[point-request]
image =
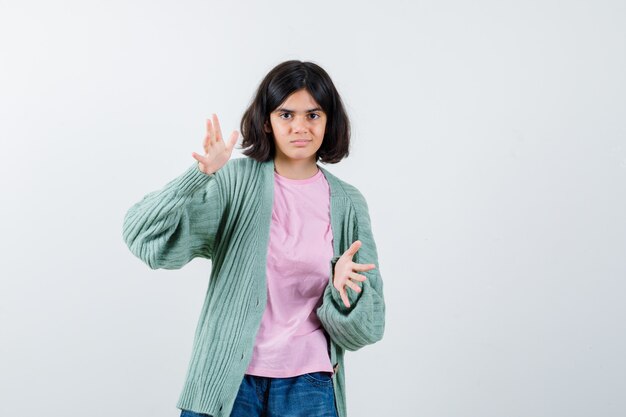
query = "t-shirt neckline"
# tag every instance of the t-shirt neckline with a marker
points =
(300, 181)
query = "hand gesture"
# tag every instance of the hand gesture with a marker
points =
(345, 272)
(216, 152)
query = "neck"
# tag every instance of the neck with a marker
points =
(295, 169)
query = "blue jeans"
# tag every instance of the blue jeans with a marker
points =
(307, 395)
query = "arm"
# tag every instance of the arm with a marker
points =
(171, 226)
(362, 323)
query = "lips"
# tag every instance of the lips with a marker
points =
(301, 141)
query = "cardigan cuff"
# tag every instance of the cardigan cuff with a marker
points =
(193, 179)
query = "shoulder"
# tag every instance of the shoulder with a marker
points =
(348, 190)
(238, 164)
(237, 168)
(356, 196)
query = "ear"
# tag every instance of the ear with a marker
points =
(267, 127)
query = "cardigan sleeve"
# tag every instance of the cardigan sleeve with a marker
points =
(171, 226)
(362, 323)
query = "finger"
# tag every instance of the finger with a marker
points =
(233, 139)
(207, 137)
(354, 247)
(358, 277)
(217, 131)
(353, 285)
(363, 267)
(344, 297)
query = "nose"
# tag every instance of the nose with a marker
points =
(300, 124)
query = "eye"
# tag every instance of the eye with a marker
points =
(284, 115)
(314, 116)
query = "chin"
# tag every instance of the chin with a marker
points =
(301, 157)
(299, 153)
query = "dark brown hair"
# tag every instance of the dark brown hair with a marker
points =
(282, 81)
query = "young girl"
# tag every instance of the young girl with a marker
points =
(294, 280)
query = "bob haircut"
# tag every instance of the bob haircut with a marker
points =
(282, 81)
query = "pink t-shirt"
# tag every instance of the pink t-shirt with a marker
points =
(291, 340)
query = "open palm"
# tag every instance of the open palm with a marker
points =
(216, 152)
(346, 272)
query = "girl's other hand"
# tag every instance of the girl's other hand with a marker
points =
(345, 272)
(216, 152)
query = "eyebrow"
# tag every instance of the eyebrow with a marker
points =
(293, 111)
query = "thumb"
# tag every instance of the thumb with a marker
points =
(198, 157)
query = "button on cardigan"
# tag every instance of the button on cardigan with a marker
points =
(225, 217)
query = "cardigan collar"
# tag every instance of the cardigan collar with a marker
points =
(338, 207)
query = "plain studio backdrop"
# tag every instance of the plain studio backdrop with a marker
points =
(489, 140)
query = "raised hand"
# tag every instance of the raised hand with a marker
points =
(216, 152)
(345, 272)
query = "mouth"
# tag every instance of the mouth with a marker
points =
(301, 141)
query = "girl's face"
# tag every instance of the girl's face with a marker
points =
(298, 125)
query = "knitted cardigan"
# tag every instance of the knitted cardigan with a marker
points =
(225, 217)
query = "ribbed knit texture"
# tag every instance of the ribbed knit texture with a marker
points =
(226, 217)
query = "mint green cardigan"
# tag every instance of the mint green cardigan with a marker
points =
(225, 217)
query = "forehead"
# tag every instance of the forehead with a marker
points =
(300, 101)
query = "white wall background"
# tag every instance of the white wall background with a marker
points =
(489, 140)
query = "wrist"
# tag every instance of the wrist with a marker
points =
(205, 170)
